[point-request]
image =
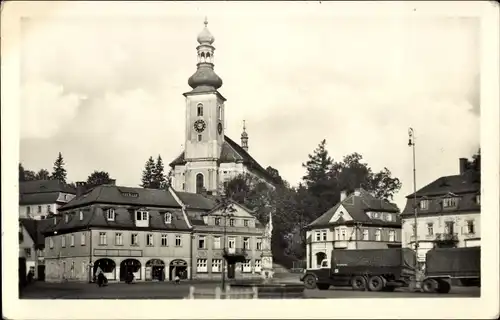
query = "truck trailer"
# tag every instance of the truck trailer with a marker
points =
(366, 269)
(443, 266)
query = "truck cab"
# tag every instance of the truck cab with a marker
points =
(317, 277)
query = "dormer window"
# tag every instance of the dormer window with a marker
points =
(424, 204)
(110, 214)
(450, 202)
(217, 221)
(142, 218)
(66, 218)
(81, 215)
(55, 220)
(168, 217)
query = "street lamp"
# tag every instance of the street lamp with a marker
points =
(411, 143)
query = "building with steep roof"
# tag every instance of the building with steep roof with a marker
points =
(210, 157)
(156, 234)
(358, 221)
(448, 212)
(32, 245)
(41, 198)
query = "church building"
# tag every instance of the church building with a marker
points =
(210, 157)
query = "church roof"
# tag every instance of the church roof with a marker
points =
(231, 152)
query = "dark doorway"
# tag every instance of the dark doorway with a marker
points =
(107, 266)
(22, 272)
(41, 273)
(157, 269)
(231, 267)
(130, 265)
(178, 268)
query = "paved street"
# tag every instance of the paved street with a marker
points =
(158, 290)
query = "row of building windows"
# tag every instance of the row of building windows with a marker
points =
(231, 242)
(118, 240)
(202, 266)
(449, 227)
(450, 202)
(142, 216)
(344, 234)
(39, 209)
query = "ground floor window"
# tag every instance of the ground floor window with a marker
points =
(258, 266)
(216, 265)
(201, 265)
(247, 266)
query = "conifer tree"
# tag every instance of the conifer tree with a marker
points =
(59, 172)
(148, 173)
(159, 174)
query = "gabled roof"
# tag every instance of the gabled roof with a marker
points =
(35, 229)
(44, 186)
(232, 152)
(357, 206)
(196, 201)
(111, 194)
(468, 182)
(95, 217)
(38, 198)
(42, 191)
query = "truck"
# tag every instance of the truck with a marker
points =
(444, 266)
(364, 269)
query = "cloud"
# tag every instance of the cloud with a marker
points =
(45, 107)
(359, 83)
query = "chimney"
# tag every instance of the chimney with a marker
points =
(343, 195)
(463, 165)
(80, 188)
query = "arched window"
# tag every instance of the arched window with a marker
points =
(200, 110)
(220, 113)
(199, 182)
(203, 57)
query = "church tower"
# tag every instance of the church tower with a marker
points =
(244, 138)
(204, 120)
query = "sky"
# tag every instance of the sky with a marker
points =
(106, 91)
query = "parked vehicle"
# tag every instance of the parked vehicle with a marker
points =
(372, 269)
(444, 265)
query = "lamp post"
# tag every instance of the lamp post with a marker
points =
(411, 143)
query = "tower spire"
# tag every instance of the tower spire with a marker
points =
(205, 79)
(244, 137)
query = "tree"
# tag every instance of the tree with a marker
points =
(159, 179)
(43, 174)
(98, 178)
(59, 172)
(274, 173)
(148, 173)
(318, 166)
(168, 178)
(475, 163)
(26, 175)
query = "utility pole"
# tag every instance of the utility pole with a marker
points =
(411, 143)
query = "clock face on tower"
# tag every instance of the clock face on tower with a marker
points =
(219, 128)
(199, 125)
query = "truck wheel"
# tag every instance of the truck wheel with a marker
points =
(430, 285)
(310, 282)
(375, 283)
(323, 286)
(358, 283)
(443, 286)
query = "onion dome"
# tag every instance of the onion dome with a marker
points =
(205, 76)
(205, 37)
